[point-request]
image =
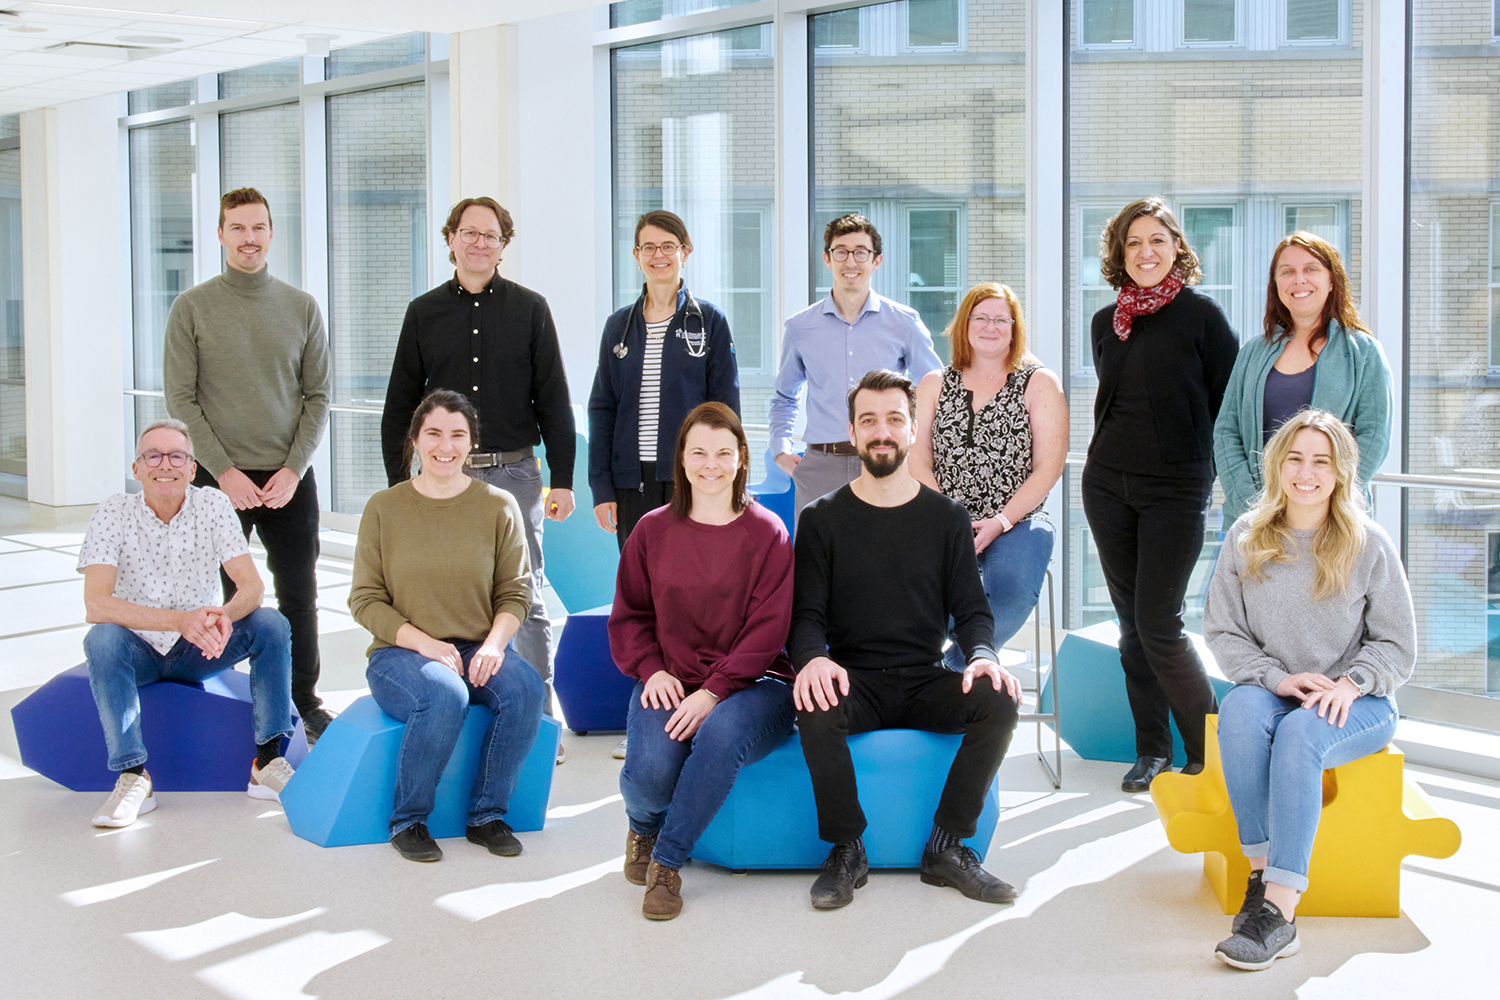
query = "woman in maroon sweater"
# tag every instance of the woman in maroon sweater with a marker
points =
(703, 602)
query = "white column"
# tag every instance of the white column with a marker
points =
(793, 199)
(483, 116)
(75, 313)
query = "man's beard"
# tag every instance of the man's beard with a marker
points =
(881, 466)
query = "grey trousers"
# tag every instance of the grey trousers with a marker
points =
(819, 473)
(523, 481)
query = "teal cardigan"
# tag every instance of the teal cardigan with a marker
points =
(1352, 381)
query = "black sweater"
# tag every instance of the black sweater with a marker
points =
(1186, 352)
(875, 586)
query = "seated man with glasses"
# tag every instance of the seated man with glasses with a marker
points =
(828, 347)
(150, 565)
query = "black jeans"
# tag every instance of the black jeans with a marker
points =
(632, 504)
(925, 697)
(290, 537)
(1149, 533)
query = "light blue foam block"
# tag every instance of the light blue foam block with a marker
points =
(1096, 719)
(344, 791)
(578, 556)
(771, 821)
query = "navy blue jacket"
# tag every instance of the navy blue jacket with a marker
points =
(686, 381)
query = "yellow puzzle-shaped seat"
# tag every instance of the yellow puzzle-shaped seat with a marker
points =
(1373, 816)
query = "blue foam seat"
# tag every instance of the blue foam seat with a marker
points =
(199, 737)
(344, 791)
(771, 821)
(592, 691)
(579, 557)
(1091, 683)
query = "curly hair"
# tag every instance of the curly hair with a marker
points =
(1112, 242)
(507, 227)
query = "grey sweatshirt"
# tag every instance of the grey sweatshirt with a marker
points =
(245, 366)
(1262, 631)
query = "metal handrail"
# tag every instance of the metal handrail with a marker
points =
(1399, 479)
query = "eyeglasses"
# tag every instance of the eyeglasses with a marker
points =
(860, 254)
(650, 249)
(179, 459)
(995, 321)
(472, 236)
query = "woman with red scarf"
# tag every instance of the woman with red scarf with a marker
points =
(1163, 354)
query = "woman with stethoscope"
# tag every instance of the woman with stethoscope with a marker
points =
(659, 358)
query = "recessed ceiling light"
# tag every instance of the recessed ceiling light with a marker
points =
(149, 39)
(29, 29)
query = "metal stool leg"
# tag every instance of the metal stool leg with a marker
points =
(1054, 772)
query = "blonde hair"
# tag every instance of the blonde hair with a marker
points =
(1337, 542)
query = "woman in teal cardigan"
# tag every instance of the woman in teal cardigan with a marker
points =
(1316, 352)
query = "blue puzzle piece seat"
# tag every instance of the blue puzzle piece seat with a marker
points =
(1098, 724)
(771, 821)
(199, 737)
(593, 693)
(344, 791)
(579, 557)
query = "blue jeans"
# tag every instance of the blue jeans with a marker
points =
(433, 701)
(1274, 753)
(674, 788)
(1012, 568)
(120, 661)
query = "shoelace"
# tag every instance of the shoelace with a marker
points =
(842, 857)
(662, 875)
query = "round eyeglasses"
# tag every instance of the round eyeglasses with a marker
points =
(179, 459)
(472, 236)
(651, 249)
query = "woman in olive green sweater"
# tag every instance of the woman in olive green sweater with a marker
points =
(442, 581)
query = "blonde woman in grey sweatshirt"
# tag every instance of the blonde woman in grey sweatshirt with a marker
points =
(1309, 614)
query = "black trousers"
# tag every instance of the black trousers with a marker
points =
(925, 697)
(290, 537)
(633, 504)
(1149, 533)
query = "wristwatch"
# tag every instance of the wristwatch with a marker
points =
(1359, 679)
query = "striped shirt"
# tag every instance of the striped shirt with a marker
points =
(656, 336)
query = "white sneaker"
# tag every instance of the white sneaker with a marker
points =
(619, 753)
(267, 782)
(132, 796)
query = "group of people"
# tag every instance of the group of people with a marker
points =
(921, 537)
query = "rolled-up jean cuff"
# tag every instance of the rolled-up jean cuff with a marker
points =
(1283, 877)
(404, 825)
(1255, 850)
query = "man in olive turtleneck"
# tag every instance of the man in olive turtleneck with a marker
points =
(245, 366)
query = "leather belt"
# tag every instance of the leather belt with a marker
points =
(833, 448)
(490, 459)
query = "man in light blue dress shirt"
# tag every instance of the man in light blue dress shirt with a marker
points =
(828, 347)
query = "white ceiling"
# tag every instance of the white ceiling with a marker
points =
(124, 44)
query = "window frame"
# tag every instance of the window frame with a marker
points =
(1135, 42)
(1179, 24)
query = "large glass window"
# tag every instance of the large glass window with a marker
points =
(629, 12)
(162, 96)
(1452, 384)
(161, 246)
(259, 79)
(929, 145)
(1212, 135)
(384, 53)
(263, 149)
(377, 215)
(12, 333)
(694, 119)
(1313, 20)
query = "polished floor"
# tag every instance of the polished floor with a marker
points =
(212, 896)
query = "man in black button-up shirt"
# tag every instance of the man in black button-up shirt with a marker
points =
(493, 341)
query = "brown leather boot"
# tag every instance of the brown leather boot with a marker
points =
(637, 856)
(663, 893)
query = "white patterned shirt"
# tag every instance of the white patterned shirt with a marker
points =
(173, 565)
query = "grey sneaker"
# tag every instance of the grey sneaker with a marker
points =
(619, 752)
(1255, 894)
(267, 782)
(131, 797)
(1265, 937)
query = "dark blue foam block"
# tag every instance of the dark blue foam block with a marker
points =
(1096, 719)
(199, 737)
(771, 821)
(579, 556)
(782, 503)
(344, 791)
(593, 693)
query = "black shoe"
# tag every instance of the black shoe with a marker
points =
(416, 844)
(314, 721)
(959, 867)
(1138, 778)
(844, 870)
(1192, 767)
(496, 836)
(1255, 894)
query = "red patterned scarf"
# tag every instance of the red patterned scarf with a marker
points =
(1136, 301)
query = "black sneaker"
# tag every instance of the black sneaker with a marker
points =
(1255, 894)
(844, 870)
(959, 867)
(496, 836)
(1265, 937)
(416, 844)
(314, 721)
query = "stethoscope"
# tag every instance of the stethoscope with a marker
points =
(697, 344)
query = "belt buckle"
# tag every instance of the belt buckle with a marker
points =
(481, 460)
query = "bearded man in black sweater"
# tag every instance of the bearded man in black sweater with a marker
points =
(882, 564)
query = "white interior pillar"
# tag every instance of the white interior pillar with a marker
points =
(484, 120)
